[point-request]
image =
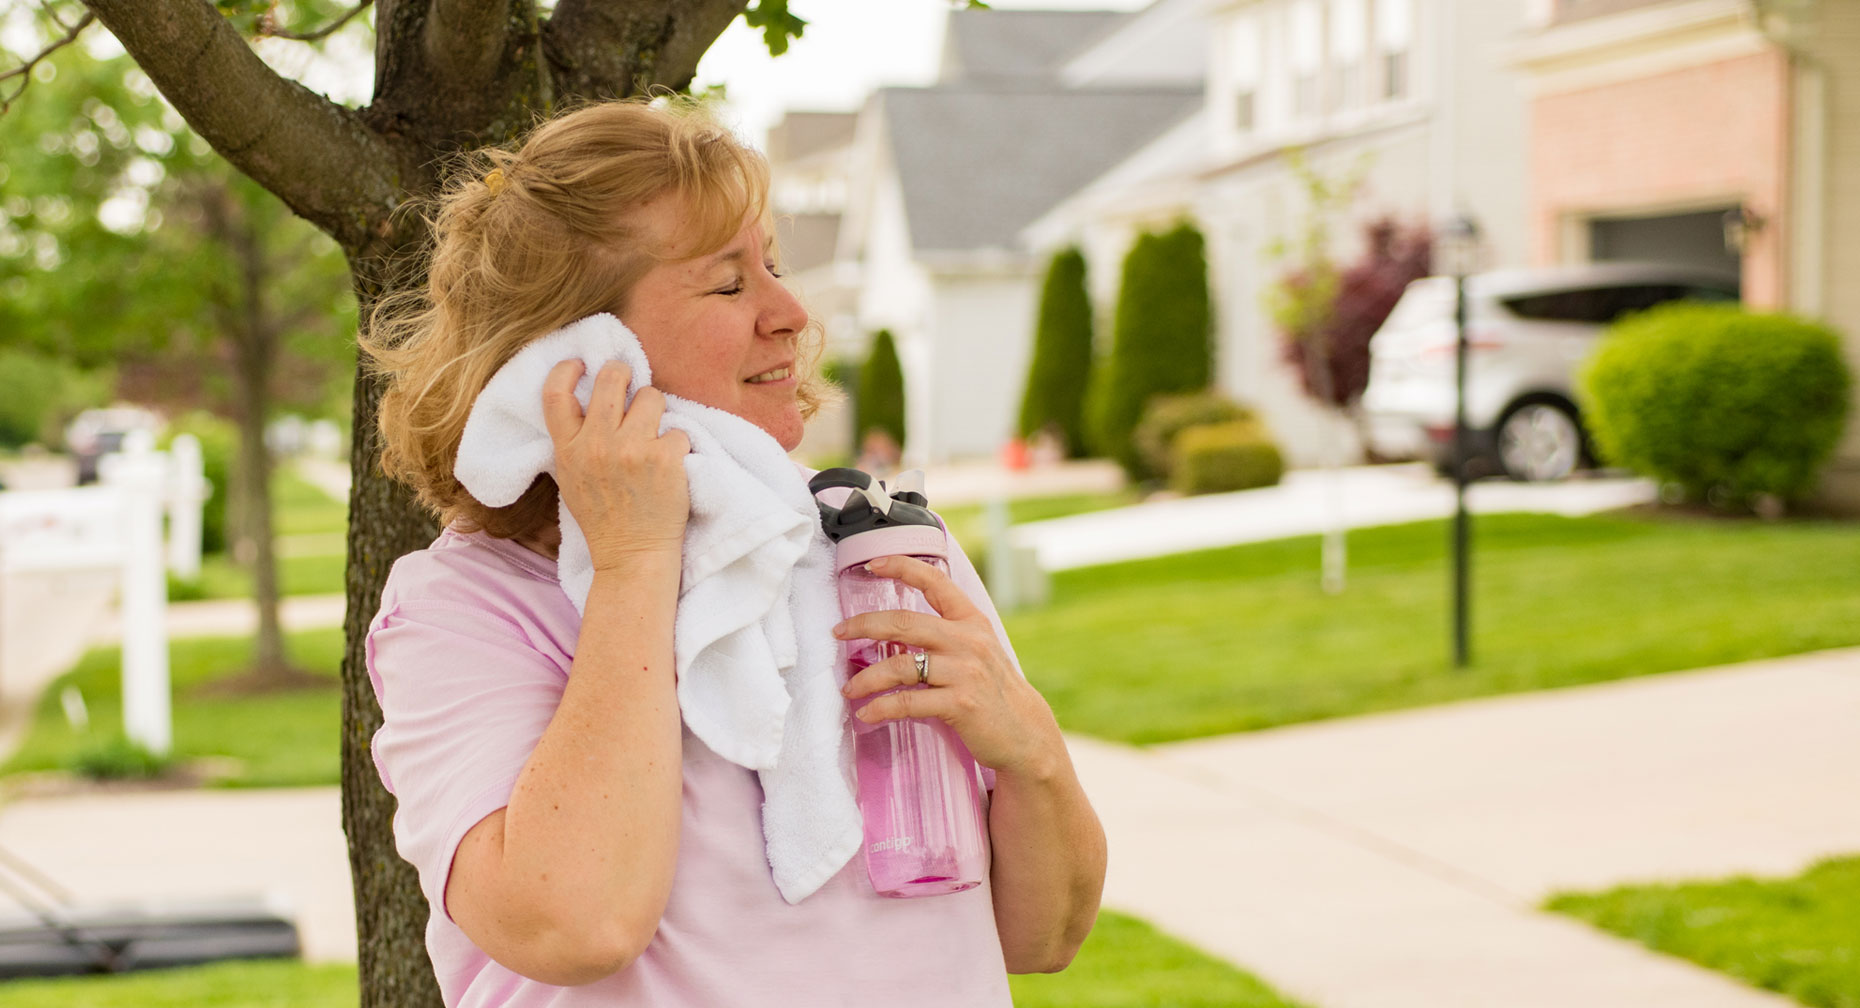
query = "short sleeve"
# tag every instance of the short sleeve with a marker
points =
(962, 571)
(464, 701)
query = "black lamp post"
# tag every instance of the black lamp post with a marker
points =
(1458, 248)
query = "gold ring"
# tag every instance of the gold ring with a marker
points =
(923, 667)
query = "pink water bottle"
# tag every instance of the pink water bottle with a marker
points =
(919, 791)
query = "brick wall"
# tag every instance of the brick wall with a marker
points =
(1683, 139)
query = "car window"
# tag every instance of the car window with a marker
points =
(1592, 305)
(1603, 305)
(1640, 297)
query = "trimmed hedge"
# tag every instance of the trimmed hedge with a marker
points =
(879, 403)
(1061, 368)
(1161, 340)
(1216, 458)
(1730, 405)
(1168, 416)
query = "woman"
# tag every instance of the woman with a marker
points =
(576, 845)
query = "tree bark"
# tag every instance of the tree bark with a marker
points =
(602, 49)
(390, 912)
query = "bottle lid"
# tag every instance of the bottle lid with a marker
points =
(867, 508)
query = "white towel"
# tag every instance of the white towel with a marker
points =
(756, 660)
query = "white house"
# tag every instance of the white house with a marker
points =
(944, 180)
(1415, 95)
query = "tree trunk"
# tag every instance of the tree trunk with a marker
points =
(269, 661)
(251, 331)
(257, 350)
(384, 523)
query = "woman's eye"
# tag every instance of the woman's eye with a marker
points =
(732, 290)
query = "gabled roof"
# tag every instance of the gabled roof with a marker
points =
(985, 45)
(976, 166)
(806, 240)
(800, 134)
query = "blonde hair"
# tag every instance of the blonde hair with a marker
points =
(526, 242)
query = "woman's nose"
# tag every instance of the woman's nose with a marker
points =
(782, 313)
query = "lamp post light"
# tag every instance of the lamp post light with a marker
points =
(1458, 251)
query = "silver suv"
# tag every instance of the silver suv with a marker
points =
(1528, 331)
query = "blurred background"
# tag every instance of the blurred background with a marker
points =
(1205, 319)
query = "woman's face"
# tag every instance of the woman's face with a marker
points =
(720, 329)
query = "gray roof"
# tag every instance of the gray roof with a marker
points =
(799, 134)
(976, 166)
(806, 240)
(993, 45)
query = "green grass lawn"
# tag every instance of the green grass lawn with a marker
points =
(316, 573)
(969, 522)
(309, 525)
(281, 739)
(1124, 964)
(1241, 638)
(1797, 936)
(302, 508)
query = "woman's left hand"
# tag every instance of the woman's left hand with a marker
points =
(972, 685)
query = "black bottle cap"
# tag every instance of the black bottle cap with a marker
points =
(858, 514)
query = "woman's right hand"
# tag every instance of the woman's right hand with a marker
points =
(622, 480)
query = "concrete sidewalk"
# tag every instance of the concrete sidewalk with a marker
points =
(1396, 861)
(1307, 502)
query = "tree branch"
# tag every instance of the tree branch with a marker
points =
(316, 155)
(24, 70)
(612, 48)
(464, 41)
(271, 30)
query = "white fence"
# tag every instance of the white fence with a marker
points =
(118, 524)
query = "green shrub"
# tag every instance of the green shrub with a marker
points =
(1167, 416)
(841, 371)
(879, 404)
(1161, 337)
(219, 448)
(1729, 404)
(185, 590)
(1061, 366)
(1216, 458)
(117, 758)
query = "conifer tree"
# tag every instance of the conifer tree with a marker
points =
(1161, 337)
(1061, 366)
(880, 402)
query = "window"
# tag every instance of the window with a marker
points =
(1307, 57)
(1394, 40)
(1245, 64)
(1348, 42)
(1602, 305)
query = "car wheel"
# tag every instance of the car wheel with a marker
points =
(1538, 442)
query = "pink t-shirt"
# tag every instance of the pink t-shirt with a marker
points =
(469, 656)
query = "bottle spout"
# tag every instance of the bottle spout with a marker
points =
(909, 487)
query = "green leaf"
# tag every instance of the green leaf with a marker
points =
(779, 25)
